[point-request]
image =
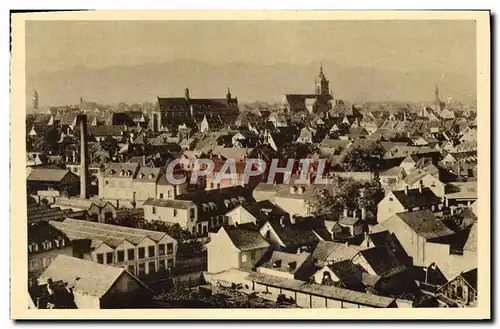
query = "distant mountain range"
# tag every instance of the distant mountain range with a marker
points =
(248, 81)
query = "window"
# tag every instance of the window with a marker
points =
(253, 255)
(142, 269)
(191, 213)
(211, 185)
(32, 264)
(100, 258)
(154, 210)
(106, 182)
(170, 248)
(131, 254)
(243, 258)
(161, 249)
(109, 258)
(161, 195)
(120, 255)
(175, 212)
(142, 252)
(169, 194)
(47, 245)
(161, 266)
(268, 234)
(151, 267)
(151, 251)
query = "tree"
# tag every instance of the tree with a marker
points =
(351, 194)
(363, 159)
(297, 150)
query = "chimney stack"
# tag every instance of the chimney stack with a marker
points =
(345, 212)
(363, 213)
(355, 213)
(84, 176)
(420, 187)
(406, 189)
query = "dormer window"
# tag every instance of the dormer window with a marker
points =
(122, 172)
(293, 189)
(129, 173)
(277, 263)
(141, 175)
(151, 176)
(47, 245)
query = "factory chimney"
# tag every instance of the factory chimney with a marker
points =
(84, 154)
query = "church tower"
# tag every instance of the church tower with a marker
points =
(324, 88)
(35, 100)
(439, 104)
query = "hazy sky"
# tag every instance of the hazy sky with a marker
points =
(408, 46)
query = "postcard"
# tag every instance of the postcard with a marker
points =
(250, 165)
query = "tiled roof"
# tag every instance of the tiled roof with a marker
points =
(324, 291)
(49, 175)
(292, 236)
(286, 262)
(416, 199)
(334, 251)
(245, 239)
(471, 277)
(383, 261)
(113, 235)
(425, 224)
(471, 243)
(178, 204)
(349, 274)
(84, 276)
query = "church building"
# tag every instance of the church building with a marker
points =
(173, 111)
(318, 102)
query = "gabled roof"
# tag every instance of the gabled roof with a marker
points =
(334, 251)
(349, 274)
(292, 236)
(471, 278)
(286, 262)
(244, 239)
(471, 243)
(425, 224)
(49, 175)
(414, 198)
(84, 276)
(112, 235)
(383, 261)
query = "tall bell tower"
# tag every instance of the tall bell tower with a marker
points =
(324, 88)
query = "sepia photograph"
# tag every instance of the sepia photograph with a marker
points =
(237, 163)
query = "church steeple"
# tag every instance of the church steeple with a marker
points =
(324, 88)
(439, 104)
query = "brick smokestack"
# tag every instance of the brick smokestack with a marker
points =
(84, 155)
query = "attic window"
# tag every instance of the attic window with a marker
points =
(292, 265)
(122, 172)
(151, 176)
(391, 199)
(141, 175)
(277, 263)
(129, 173)
(111, 172)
